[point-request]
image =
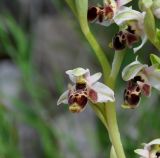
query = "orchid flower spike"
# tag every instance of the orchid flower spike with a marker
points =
(104, 15)
(85, 88)
(140, 79)
(131, 24)
(151, 150)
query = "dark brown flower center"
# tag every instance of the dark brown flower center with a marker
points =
(80, 86)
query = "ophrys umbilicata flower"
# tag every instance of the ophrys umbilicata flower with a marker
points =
(131, 24)
(151, 150)
(86, 88)
(104, 14)
(140, 79)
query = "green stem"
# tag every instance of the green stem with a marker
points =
(99, 114)
(111, 110)
(113, 130)
(116, 64)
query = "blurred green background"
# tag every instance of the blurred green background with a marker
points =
(39, 41)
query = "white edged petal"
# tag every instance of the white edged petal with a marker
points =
(63, 98)
(153, 76)
(94, 78)
(154, 142)
(127, 14)
(143, 41)
(122, 2)
(131, 70)
(73, 74)
(142, 152)
(104, 93)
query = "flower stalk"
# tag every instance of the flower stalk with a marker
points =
(110, 110)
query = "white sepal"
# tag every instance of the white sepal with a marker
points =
(63, 98)
(78, 72)
(131, 70)
(154, 142)
(142, 152)
(104, 93)
(153, 76)
(127, 14)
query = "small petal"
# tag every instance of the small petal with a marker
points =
(131, 70)
(63, 98)
(93, 95)
(153, 77)
(94, 78)
(145, 88)
(104, 93)
(142, 152)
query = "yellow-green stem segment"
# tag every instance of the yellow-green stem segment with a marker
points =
(110, 108)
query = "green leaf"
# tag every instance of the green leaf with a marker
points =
(155, 60)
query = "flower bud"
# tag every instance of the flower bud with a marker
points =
(156, 8)
(149, 25)
(145, 4)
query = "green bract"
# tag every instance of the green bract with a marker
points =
(155, 60)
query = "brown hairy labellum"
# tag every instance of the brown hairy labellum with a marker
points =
(132, 93)
(100, 13)
(77, 100)
(124, 38)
